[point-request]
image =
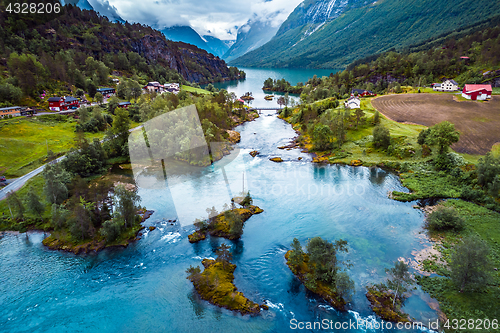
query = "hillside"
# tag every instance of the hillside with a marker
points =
(324, 34)
(416, 67)
(80, 48)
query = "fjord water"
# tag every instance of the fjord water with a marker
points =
(255, 78)
(143, 288)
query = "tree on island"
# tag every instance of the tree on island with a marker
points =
(323, 255)
(296, 257)
(235, 222)
(247, 201)
(321, 265)
(470, 265)
(223, 255)
(400, 280)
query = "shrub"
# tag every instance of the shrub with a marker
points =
(444, 218)
(471, 194)
(381, 137)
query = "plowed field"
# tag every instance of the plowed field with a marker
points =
(478, 122)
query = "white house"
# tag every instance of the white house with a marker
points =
(448, 85)
(172, 88)
(154, 86)
(353, 103)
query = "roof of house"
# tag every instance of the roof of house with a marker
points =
(453, 82)
(54, 99)
(154, 83)
(70, 99)
(360, 91)
(124, 103)
(105, 89)
(10, 108)
(437, 84)
(476, 87)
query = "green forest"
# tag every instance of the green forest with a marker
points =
(371, 28)
(388, 72)
(46, 54)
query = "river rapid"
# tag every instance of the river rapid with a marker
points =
(143, 288)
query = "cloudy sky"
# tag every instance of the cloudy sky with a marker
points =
(217, 18)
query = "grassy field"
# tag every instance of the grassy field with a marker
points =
(358, 141)
(195, 90)
(24, 142)
(478, 122)
(454, 304)
(496, 91)
(36, 183)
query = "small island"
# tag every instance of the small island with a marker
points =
(319, 270)
(228, 224)
(387, 298)
(215, 284)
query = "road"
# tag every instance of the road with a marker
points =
(19, 182)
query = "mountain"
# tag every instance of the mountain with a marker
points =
(188, 35)
(101, 6)
(184, 34)
(250, 36)
(58, 60)
(333, 33)
(216, 46)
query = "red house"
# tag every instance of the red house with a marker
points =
(63, 103)
(479, 92)
(362, 93)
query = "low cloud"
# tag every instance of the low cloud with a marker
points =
(220, 19)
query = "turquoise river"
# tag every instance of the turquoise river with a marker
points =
(143, 288)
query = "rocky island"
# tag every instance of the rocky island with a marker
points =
(228, 224)
(215, 284)
(318, 270)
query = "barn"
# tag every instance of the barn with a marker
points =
(362, 93)
(479, 92)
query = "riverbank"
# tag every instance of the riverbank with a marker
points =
(415, 166)
(477, 305)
